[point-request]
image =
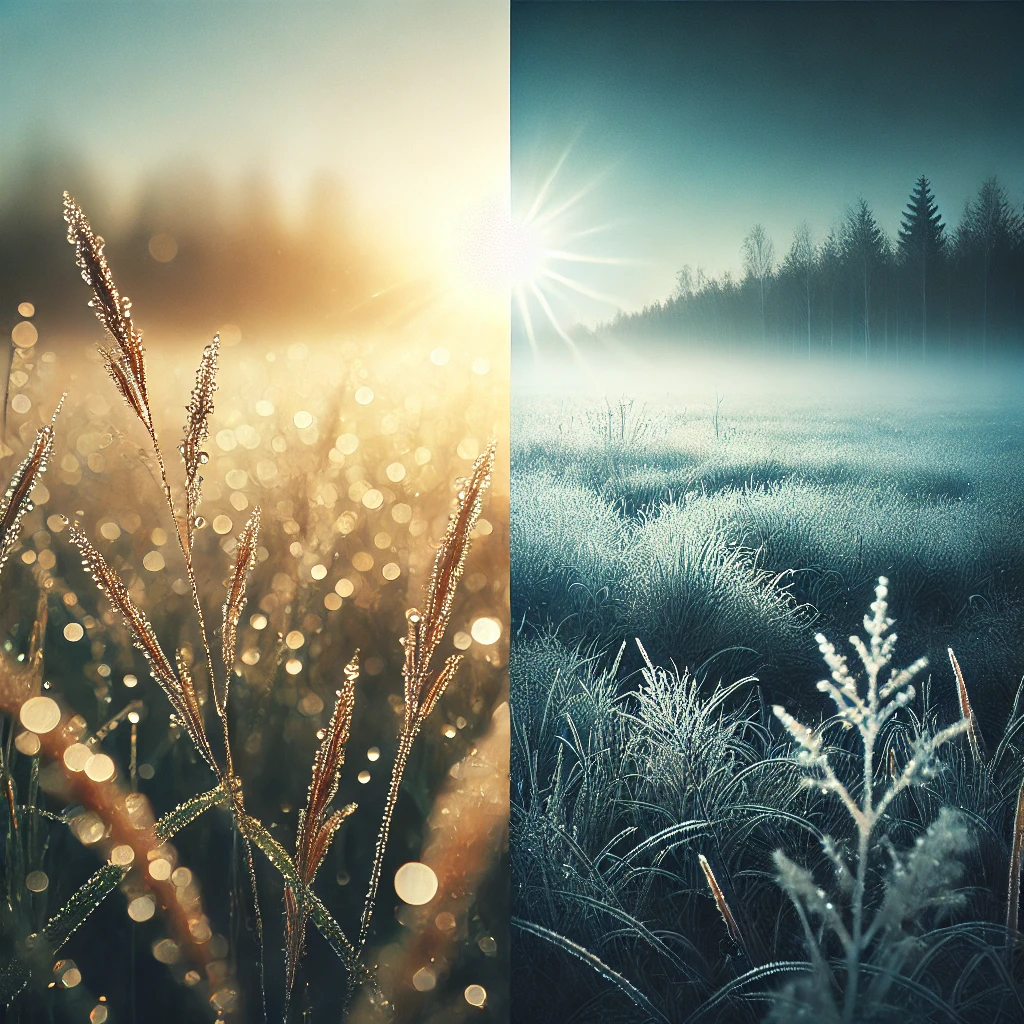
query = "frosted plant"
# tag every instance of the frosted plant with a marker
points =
(866, 702)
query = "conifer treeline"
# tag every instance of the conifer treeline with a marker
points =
(931, 291)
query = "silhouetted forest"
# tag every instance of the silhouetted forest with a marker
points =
(193, 253)
(934, 289)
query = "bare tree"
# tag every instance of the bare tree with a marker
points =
(800, 265)
(759, 263)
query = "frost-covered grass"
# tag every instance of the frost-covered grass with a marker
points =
(772, 530)
(725, 553)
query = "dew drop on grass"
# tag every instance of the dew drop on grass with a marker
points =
(142, 908)
(76, 757)
(37, 881)
(363, 777)
(166, 951)
(486, 631)
(99, 768)
(424, 980)
(122, 855)
(24, 334)
(347, 443)
(476, 995)
(27, 743)
(74, 632)
(109, 530)
(154, 560)
(160, 869)
(415, 883)
(88, 828)
(362, 561)
(40, 714)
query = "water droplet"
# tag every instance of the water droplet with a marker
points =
(415, 883)
(37, 881)
(476, 995)
(142, 908)
(486, 631)
(424, 980)
(40, 714)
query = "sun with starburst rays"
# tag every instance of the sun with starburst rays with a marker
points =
(541, 255)
(549, 234)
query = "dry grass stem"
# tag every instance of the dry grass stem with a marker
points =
(177, 685)
(1013, 888)
(317, 822)
(426, 630)
(235, 600)
(16, 500)
(197, 429)
(721, 903)
(127, 363)
(966, 711)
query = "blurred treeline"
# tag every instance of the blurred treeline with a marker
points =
(235, 257)
(935, 289)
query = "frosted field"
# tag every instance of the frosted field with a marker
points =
(724, 548)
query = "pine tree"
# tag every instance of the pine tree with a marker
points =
(986, 236)
(922, 241)
(865, 248)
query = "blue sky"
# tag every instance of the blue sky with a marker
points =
(692, 121)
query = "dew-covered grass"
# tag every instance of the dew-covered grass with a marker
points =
(354, 451)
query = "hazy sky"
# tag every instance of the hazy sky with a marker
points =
(700, 119)
(406, 101)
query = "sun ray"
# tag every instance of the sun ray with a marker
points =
(576, 286)
(542, 194)
(542, 220)
(524, 310)
(540, 297)
(575, 257)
